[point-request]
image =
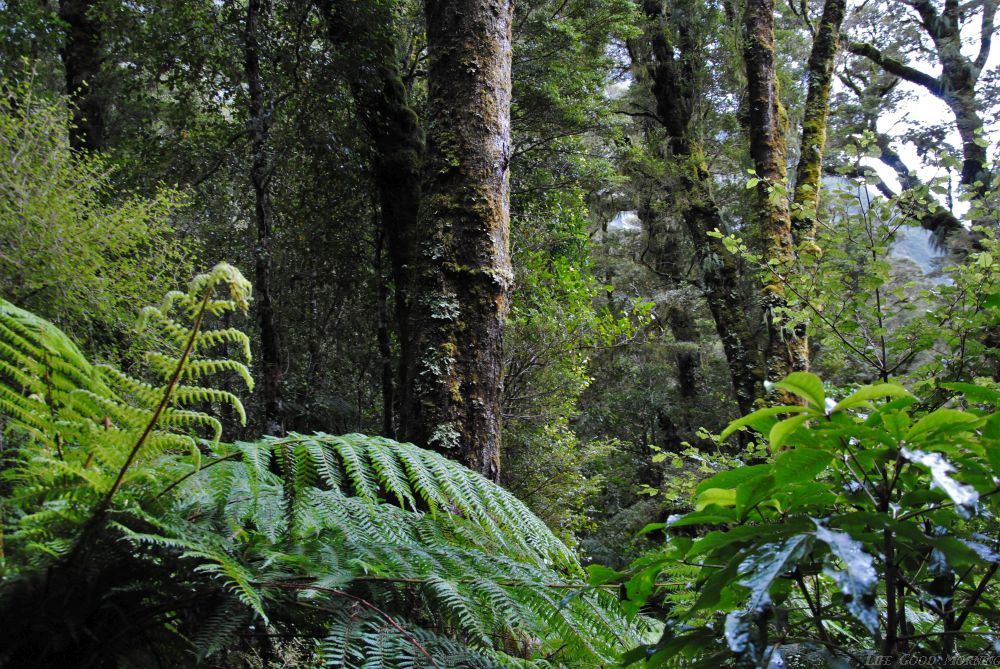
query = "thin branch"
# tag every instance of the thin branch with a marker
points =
(977, 593)
(986, 33)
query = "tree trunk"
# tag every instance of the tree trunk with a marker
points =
(809, 172)
(81, 57)
(768, 123)
(260, 121)
(384, 348)
(674, 73)
(453, 395)
(724, 286)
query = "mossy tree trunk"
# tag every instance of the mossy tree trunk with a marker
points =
(809, 171)
(787, 350)
(82, 57)
(367, 41)
(674, 72)
(453, 394)
(272, 366)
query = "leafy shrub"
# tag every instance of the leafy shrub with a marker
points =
(871, 530)
(133, 536)
(73, 249)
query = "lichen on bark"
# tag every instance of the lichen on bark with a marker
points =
(453, 400)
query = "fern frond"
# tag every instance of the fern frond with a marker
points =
(402, 557)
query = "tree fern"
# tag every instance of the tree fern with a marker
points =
(133, 536)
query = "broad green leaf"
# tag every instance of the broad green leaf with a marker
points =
(651, 527)
(766, 412)
(807, 386)
(751, 493)
(896, 422)
(745, 533)
(951, 420)
(782, 430)
(768, 562)
(732, 477)
(711, 591)
(859, 580)
(598, 574)
(720, 496)
(807, 494)
(800, 464)
(716, 516)
(863, 396)
(959, 553)
(974, 392)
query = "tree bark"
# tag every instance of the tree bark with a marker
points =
(384, 347)
(768, 123)
(673, 71)
(809, 171)
(82, 57)
(724, 286)
(260, 121)
(453, 396)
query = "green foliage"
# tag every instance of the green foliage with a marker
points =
(74, 251)
(871, 529)
(559, 321)
(130, 540)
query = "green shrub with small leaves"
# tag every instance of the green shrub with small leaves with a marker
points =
(870, 530)
(73, 247)
(134, 537)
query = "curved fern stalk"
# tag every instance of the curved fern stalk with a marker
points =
(83, 428)
(155, 418)
(240, 290)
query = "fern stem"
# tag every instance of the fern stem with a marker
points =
(105, 502)
(364, 602)
(155, 418)
(224, 458)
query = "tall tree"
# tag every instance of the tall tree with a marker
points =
(672, 55)
(787, 350)
(82, 58)
(808, 173)
(260, 176)
(956, 84)
(452, 398)
(815, 117)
